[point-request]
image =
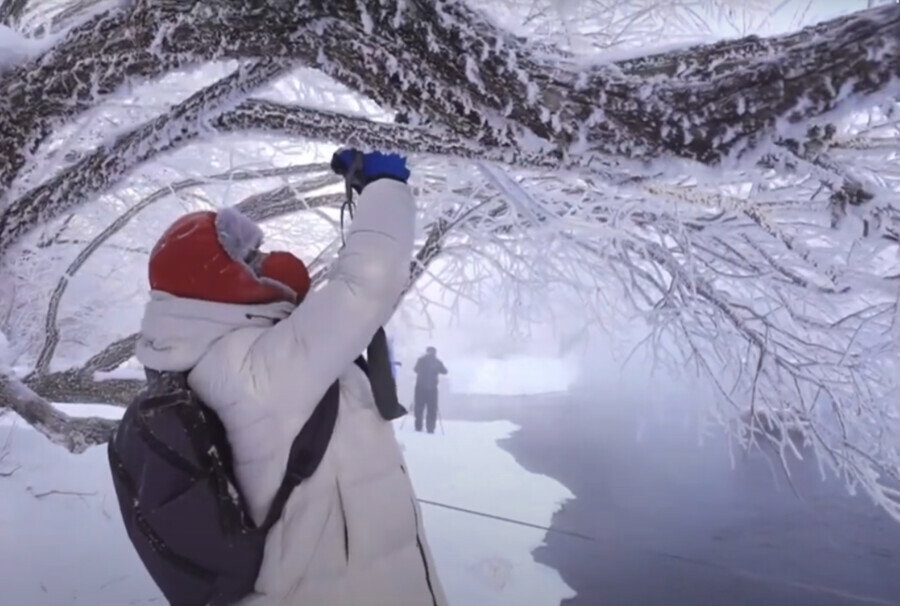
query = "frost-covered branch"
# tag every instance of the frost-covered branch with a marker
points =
(419, 63)
(99, 171)
(107, 166)
(80, 384)
(812, 367)
(72, 386)
(51, 331)
(74, 434)
(509, 93)
(430, 249)
(637, 122)
(113, 355)
(288, 199)
(274, 117)
(11, 11)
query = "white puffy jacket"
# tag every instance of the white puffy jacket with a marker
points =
(352, 534)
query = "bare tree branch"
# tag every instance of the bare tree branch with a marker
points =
(430, 250)
(741, 270)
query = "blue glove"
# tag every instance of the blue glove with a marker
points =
(360, 169)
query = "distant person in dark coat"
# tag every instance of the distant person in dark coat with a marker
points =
(427, 370)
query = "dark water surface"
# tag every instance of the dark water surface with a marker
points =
(673, 524)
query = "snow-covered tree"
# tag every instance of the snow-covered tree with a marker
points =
(739, 194)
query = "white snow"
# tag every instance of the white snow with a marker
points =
(63, 540)
(484, 562)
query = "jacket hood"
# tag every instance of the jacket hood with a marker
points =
(176, 333)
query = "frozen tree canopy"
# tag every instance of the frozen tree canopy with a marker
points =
(741, 194)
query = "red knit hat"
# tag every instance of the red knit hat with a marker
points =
(210, 256)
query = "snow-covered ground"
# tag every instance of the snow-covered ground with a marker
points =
(62, 540)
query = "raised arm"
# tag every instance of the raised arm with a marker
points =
(304, 354)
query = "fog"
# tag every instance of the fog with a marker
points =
(675, 511)
(674, 520)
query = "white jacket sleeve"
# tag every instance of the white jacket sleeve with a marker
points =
(294, 362)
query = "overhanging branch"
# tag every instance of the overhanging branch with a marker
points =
(291, 120)
(510, 99)
(103, 168)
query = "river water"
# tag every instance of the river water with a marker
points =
(672, 523)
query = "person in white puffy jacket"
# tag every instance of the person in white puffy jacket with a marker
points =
(352, 534)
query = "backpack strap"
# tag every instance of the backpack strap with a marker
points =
(310, 444)
(377, 365)
(306, 452)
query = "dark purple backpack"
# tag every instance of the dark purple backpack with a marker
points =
(183, 512)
